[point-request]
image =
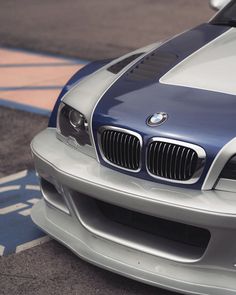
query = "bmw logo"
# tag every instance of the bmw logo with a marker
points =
(157, 119)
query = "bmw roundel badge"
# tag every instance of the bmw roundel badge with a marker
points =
(157, 119)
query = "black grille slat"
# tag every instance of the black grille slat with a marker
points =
(155, 159)
(110, 147)
(118, 149)
(121, 152)
(129, 152)
(133, 152)
(171, 161)
(177, 162)
(193, 163)
(137, 152)
(114, 149)
(121, 148)
(181, 172)
(168, 164)
(162, 150)
(186, 163)
(158, 159)
(125, 151)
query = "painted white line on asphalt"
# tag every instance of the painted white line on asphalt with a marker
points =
(12, 208)
(2, 248)
(25, 212)
(9, 188)
(13, 177)
(33, 201)
(32, 244)
(18, 193)
(32, 187)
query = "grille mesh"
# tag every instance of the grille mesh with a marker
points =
(171, 161)
(121, 149)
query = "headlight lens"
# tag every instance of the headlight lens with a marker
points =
(229, 170)
(77, 120)
(71, 123)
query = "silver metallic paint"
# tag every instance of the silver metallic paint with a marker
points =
(213, 274)
(218, 164)
(227, 185)
(149, 269)
(211, 68)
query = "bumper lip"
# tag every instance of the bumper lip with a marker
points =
(93, 221)
(41, 222)
(202, 208)
(74, 170)
(84, 250)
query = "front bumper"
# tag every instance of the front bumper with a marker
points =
(73, 172)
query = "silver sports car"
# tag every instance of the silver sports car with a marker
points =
(138, 164)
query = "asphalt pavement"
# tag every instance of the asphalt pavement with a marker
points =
(95, 29)
(17, 128)
(50, 268)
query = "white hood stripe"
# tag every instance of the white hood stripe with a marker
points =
(211, 68)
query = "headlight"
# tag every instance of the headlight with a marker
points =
(229, 170)
(72, 124)
(77, 120)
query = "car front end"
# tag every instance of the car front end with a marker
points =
(137, 171)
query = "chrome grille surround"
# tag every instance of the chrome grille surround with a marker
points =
(184, 152)
(123, 156)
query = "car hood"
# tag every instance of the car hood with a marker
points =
(197, 90)
(196, 115)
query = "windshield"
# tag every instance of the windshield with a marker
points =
(227, 16)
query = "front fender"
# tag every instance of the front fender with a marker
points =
(79, 75)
